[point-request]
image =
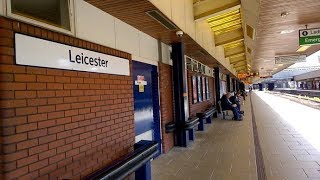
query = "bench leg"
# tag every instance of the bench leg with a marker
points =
(144, 172)
(209, 120)
(201, 125)
(191, 134)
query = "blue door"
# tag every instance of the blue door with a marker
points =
(146, 102)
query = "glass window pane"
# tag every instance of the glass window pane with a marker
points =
(52, 12)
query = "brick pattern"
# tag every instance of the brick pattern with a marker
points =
(166, 100)
(59, 123)
(199, 107)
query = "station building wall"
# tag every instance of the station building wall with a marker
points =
(166, 105)
(60, 123)
(199, 107)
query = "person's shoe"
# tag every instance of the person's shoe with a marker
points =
(240, 119)
(241, 112)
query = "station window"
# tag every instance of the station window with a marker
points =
(52, 14)
(189, 63)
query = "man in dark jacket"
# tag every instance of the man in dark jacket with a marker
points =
(236, 100)
(226, 104)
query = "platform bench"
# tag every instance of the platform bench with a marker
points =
(206, 115)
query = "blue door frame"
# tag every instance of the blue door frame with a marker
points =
(146, 100)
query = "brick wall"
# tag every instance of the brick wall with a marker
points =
(199, 107)
(60, 123)
(166, 100)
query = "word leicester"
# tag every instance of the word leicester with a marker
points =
(81, 59)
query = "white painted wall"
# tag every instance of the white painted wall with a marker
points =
(148, 47)
(190, 23)
(178, 13)
(127, 37)
(94, 25)
(1, 7)
(104, 29)
(164, 6)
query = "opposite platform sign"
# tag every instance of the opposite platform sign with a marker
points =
(309, 36)
(43, 53)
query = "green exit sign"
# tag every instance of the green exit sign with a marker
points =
(309, 36)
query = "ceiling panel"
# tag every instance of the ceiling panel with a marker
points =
(269, 40)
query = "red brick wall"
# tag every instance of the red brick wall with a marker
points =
(200, 107)
(60, 123)
(166, 104)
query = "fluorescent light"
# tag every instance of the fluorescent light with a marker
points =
(280, 64)
(287, 31)
(303, 48)
(267, 60)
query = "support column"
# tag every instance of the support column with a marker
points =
(234, 84)
(260, 87)
(217, 82)
(228, 84)
(180, 94)
(237, 85)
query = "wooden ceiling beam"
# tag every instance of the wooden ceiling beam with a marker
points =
(239, 64)
(215, 11)
(240, 67)
(233, 54)
(237, 60)
(229, 40)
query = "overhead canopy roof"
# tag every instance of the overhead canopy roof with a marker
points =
(226, 21)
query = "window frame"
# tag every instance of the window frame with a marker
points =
(43, 24)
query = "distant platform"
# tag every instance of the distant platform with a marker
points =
(302, 92)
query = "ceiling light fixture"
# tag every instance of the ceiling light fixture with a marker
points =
(267, 60)
(303, 48)
(287, 31)
(284, 14)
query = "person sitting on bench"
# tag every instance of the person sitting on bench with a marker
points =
(236, 100)
(226, 104)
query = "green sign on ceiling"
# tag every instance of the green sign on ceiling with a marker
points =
(309, 36)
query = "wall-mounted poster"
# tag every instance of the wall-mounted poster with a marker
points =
(204, 88)
(199, 89)
(223, 88)
(194, 90)
(207, 88)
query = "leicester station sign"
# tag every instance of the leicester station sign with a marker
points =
(309, 37)
(33, 51)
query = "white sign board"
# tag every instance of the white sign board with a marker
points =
(290, 59)
(43, 53)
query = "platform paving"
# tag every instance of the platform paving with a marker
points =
(288, 136)
(224, 151)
